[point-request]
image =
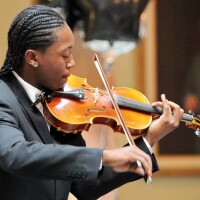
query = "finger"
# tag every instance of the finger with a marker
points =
(177, 113)
(172, 112)
(137, 170)
(147, 166)
(144, 170)
(176, 108)
(140, 171)
(157, 104)
(166, 108)
(163, 98)
(160, 103)
(145, 161)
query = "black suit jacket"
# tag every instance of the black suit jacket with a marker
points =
(33, 163)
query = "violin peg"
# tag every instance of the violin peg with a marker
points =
(191, 112)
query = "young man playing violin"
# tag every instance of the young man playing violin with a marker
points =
(37, 161)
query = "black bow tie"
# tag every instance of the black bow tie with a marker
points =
(39, 99)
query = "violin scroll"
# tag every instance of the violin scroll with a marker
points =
(194, 123)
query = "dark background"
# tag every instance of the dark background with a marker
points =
(178, 31)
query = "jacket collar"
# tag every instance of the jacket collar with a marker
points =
(34, 114)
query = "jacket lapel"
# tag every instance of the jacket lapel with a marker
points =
(34, 114)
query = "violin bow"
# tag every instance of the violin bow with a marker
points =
(116, 107)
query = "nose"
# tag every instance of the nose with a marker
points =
(71, 63)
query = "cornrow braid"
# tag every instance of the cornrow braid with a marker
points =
(31, 29)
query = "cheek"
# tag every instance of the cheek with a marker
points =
(51, 71)
(54, 69)
(57, 66)
(51, 80)
(54, 74)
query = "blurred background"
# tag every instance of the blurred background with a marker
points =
(152, 46)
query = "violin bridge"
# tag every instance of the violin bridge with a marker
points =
(96, 95)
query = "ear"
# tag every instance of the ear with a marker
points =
(31, 57)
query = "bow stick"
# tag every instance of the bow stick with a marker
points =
(116, 107)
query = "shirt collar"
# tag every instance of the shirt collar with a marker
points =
(32, 91)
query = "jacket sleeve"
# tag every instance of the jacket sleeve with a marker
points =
(141, 144)
(33, 159)
(108, 180)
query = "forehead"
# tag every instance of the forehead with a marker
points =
(64, 35)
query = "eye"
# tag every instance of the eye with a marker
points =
(66, 54)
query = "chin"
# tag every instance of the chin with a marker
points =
(61, 86)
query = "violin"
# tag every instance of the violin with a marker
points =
(80, 105)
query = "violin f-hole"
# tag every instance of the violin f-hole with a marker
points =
(94, 110)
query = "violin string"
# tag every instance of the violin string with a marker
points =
(140, 106)
(130, 103)
(134, 104)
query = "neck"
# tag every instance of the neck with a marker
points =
(27, 74)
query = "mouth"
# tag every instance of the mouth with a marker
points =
(65, 76)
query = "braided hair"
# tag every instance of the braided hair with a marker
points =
(32, 28)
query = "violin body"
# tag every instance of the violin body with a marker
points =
(74, 114)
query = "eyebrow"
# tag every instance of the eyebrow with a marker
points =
(67, 48)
